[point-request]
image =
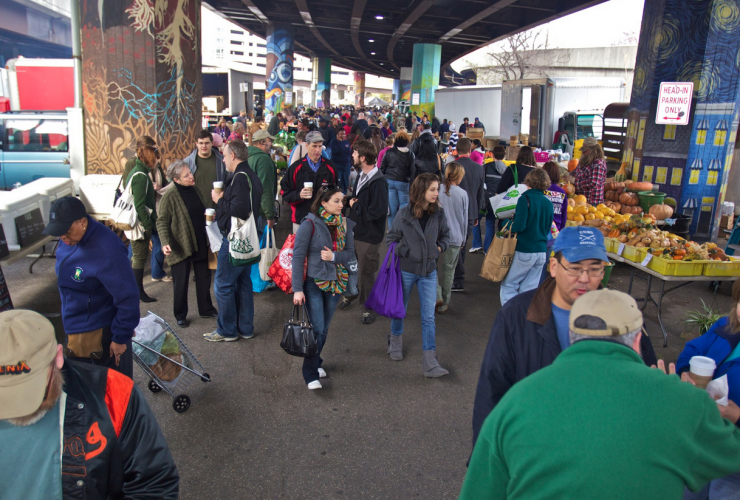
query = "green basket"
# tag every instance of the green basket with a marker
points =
(607, 273)
(650, 198)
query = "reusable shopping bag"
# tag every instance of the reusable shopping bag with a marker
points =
(244, 249)
(499, 257)
(298, 335)
(504, 204)
(124, 213)
(259, 284)
(386, 297)
(281, 270)
(268, 251)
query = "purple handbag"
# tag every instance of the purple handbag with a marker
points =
(386, 297)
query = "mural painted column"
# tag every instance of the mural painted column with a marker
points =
(406, 75)
(425, 77)
(141, 75)
(396, 90)
(681, 42)
(279, 67)
(359, 89)
(321, 80)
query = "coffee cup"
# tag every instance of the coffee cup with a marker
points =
(308, 185)
(218, 186)
(210, 215)
(701, 370)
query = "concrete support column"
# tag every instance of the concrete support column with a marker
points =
(141, 75)
(406, 75)
(682, 42)
(425, 77)
(359, 89)
(321, 81)
(279, 67)
(396, 90)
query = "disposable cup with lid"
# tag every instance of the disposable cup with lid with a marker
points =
(702, 366)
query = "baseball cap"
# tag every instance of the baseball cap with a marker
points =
(605, 313)
(589, 142)
(63, 213)
(27, 348)
(262, 134)
(579, 243)
(314, 137)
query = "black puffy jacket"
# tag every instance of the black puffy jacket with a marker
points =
(113, 446)
(398, 165)
(524, 339)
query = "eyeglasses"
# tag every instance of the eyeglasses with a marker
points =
(575, 272)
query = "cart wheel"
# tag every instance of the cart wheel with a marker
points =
(205, 377)
(154, 387)
(181, 403)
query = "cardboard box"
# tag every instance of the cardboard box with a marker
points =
(512, 152)
(474, 133)
(727, 222)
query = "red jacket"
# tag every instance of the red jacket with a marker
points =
(292, 184)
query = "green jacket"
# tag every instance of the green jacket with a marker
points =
(532, 221)
(144, 195)
(175, 227)
(264, 167)
(598, 423)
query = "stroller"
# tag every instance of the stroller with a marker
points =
(166, 359)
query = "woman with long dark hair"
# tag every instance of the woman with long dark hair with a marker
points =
(427, 160)
(421, 234)
(324, 239)
(398, 167)
(354, 134)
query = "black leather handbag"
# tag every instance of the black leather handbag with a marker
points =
(298, 336)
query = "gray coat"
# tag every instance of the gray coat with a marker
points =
(308, 245)
(418, 250)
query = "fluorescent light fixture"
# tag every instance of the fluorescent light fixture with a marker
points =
(372, 53)
(379, 17)
(371, 40)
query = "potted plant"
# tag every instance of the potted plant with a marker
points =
(703, 318)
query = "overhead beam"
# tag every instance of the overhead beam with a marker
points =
(487, 12)
(420, 9)
(354, 24)
(256, 11)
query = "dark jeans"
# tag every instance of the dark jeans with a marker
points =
(233, 289)
(180, 282)
(126, 365)
(321, 306)
(459, 279)
(368, 261)
(343, 176)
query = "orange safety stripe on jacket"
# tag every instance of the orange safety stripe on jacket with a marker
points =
(117, 394)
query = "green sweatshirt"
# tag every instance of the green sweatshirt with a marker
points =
(144, 195)
(599, 424)
(532, 221)
(264, 167)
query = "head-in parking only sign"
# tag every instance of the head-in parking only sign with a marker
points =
(674, 103)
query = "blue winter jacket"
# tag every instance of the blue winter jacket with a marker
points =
(97, 285)
(341, 152)
(717, 344)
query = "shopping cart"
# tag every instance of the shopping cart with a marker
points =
(166, 359)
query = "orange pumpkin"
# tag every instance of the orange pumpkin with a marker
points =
(630, 199)
(613, 186)
(611, 196)
(628, 210)
(614, 205)
(569, 189)
(614, 233)
(572, 164)
(661, 212)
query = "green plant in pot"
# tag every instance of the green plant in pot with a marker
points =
(702, 318)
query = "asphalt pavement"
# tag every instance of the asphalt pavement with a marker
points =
(378, 428)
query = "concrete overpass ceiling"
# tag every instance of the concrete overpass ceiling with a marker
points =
(379, 39)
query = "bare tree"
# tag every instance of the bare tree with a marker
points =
(627, 38)
(518, 56)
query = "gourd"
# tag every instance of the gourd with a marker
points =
(629, 199)
(661, 212)
(623, 238)
(613, 186)
(572, 164)
(569, 189)
(611, 196)
(614, 205)
(614, 233)
(641, 186)
(631, 210)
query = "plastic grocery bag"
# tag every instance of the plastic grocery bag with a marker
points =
(150, 333)
(215, 238)
(386, 297)
(719, 390)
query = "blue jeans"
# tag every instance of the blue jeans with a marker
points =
(321, 306)
(157, 257)
(724, 488)
(477, 239)
(524, 275)
(427, 287)
(233, 290)
(490, 230)
(343, 176)
(398, 197)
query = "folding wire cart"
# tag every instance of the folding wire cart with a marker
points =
(163, 356)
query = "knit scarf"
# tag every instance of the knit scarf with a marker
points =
(340, 284)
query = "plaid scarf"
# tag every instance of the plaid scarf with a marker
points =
(340, 284)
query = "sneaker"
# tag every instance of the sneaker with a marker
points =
(457, 288)
(314, 385)
(345, 302)
(217, 337)
(322, 373)
(475, 249)
(166, 279)
(245, 337)
(367, 318)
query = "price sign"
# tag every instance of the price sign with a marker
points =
(621, 249)
(415, 98)
(30, 227)
(647, 260)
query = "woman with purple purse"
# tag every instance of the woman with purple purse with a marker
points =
(421, 234)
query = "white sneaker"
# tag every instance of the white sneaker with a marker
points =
(322, 373)
(475, 249)
(314, 385)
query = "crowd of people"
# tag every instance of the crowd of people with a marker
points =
(565, 360)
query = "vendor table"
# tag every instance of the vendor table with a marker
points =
(636, 266)
(23, 252)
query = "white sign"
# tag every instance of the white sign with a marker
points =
(674, 103)
(621, 249)
(647, 259)
(289, 98)
(243, 87)
(415, 99)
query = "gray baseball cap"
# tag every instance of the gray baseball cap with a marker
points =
(314, 137)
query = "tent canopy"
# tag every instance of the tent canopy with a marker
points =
(376, 101)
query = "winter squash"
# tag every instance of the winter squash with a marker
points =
(572, 164)
(613, 186)
(569, 189)
(661, 212)
(641, 186)
(614, 205)
(614, 233)
(631, 210)
(630, 199)
(611, 196)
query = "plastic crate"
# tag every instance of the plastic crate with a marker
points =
(718, 268)
(634, 254)
(611, 244)
(650, 198)
(542, 156)
(676, 267)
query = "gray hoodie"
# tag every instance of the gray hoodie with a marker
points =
(456, 210)
(310, 239)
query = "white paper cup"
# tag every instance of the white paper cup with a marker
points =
(218, 186)
(210, 216)
(308, 185)
(701, 370)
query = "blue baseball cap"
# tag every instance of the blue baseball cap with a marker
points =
(578, 243)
